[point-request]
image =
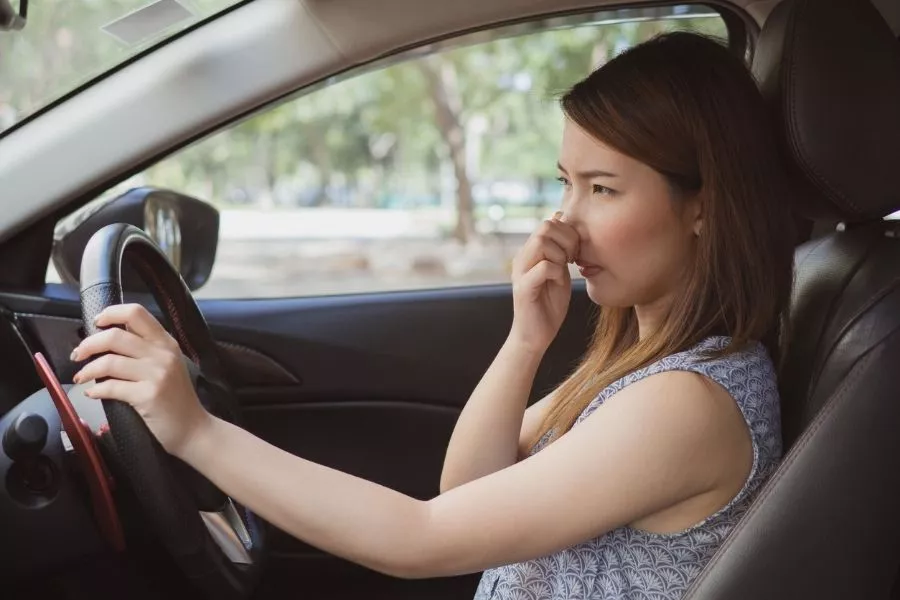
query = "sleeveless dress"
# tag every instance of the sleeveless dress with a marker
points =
(632, 564)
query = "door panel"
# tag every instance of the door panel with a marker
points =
(423, 347)
(369, 384)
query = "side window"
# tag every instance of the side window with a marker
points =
(428, 172)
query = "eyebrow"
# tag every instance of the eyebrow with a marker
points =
(590, 174)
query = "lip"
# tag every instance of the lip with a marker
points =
(587, 269)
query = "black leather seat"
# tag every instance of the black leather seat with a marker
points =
(827, 525)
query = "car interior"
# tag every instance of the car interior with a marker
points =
(372, 384)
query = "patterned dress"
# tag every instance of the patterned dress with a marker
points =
(632, 564)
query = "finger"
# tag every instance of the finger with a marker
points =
(540, 248)
(115, 340)
(138, 320)
(546, 243)
(562, 234)
(112, 366)
(571, 240)
(544, 272)
(114, 389)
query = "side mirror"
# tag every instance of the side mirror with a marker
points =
(185, 228)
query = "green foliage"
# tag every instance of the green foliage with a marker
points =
(63, 46)
(376, 138)
(373, 139)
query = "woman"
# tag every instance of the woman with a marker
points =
(625, 479)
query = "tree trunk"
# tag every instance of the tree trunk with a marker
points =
(444, 91)
(322, 157)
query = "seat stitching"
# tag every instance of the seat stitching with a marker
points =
(173, 314)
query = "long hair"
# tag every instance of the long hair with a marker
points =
(687, 107)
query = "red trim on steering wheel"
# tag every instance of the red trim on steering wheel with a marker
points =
(88, 455)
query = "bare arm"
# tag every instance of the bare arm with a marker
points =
(494, 425)
(487, 435)
(600, 475)
(534, 417)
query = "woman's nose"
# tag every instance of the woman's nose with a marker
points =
(570, 213)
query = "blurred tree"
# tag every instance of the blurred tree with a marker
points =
(444, 91)
(409, 134)
(63, 46)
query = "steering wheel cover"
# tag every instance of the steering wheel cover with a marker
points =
(138, 456)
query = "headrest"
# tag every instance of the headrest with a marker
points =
(831, 71)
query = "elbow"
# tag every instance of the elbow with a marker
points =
(418, 554)
(409, 565)
(408, 572)
(448, 482)
(421, 567)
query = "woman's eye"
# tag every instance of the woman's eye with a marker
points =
(602, 189)
(564, 181)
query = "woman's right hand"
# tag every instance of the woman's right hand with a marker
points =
(542, 286)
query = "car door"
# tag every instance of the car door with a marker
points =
(381, 380)
(370, 384)
(360, 287)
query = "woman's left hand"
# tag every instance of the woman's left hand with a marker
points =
(146, 369)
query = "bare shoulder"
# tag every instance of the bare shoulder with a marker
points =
(702, 426)
(662, 454)
(691, 415)
(683, 395)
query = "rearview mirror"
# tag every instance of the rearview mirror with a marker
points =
(185, 228)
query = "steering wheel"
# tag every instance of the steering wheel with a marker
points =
(217, 543)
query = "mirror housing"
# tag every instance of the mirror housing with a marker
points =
(185, 228)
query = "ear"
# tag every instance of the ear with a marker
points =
(694, 215)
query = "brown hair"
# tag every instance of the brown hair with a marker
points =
(687, 107)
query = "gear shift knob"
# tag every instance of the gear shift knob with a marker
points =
(26, 437)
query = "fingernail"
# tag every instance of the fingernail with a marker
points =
(74, 356)
(77, 377)
(558, 215)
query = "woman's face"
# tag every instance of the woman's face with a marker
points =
(637, 237)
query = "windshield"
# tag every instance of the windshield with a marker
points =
(66, 43)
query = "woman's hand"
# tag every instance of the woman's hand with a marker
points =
(146, 369)
(542, 286)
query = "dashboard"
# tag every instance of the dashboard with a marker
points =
(46, 515)
(42, 504)
(18, 378)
